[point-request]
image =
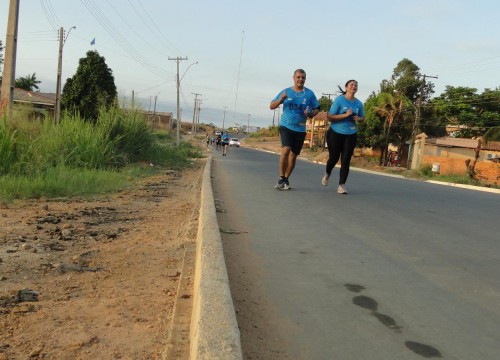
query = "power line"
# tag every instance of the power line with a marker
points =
(238, 79)
(168, 44)
(118, 37)
(50, 14)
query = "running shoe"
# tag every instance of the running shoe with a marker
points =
(280, 184)
(325, 179)
(342, 190)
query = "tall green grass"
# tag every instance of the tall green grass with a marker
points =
(75, 157)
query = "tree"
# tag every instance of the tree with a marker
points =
(28, 82)
(473, 114)
(325, 103)
(390, 112)
(92, 87)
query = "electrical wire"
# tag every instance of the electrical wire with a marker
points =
(50, 14)
(145, 41)
(122, 42)
(165, 43)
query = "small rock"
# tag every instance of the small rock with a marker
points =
(66, 233)
(27, 295)
(35, 352)
(26, 246)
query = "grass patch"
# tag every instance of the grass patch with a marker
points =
(61, 182)
(79, 158)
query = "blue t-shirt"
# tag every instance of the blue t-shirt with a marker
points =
(340, 105)
(294, 106)
(225, 138)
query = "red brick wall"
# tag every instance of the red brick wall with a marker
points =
(487, 170)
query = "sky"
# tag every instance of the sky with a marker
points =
(240, 54)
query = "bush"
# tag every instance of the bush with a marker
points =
(426, 171)
(41, 152)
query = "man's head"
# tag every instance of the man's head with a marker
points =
(299, 78)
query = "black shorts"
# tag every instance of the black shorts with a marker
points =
(292, 139)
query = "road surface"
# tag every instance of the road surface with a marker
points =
(396, 269)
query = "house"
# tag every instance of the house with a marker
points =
(316, 129)
(449, 155)
(42, 104)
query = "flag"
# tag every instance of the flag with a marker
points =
(92, 42)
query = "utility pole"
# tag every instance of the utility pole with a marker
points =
(178, 59)
(154, 112)
(193, 126)
(224, 118)
(62, 40)
(197, 123)
(416, 124)
(9, 68)
(248, 124)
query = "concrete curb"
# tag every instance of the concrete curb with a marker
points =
(214, 331)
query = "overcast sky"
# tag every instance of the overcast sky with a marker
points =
(247, 50)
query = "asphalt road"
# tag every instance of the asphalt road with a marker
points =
(396, 269)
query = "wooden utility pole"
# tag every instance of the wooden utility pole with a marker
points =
(9, 66)
(62, 40)
(178, 59)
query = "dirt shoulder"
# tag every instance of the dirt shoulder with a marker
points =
(107, 278)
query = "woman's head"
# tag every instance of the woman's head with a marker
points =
(350, 86)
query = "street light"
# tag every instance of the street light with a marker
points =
(224, 118)
(62, 41)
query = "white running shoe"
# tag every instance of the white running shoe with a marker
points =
(325, 179)
(342, 190)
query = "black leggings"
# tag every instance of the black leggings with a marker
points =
(339, 144)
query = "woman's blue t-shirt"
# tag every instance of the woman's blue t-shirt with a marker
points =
(340, 105)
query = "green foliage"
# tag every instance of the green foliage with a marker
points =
(61, 181)
(73, 157)
(325, 103)
(493, 134)
(473, 114)
(7, 146)
(426, 171)
(28, 82)
(129, 133)
(92, 87)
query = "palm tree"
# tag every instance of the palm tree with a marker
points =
(28, 83)
(390, 107)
